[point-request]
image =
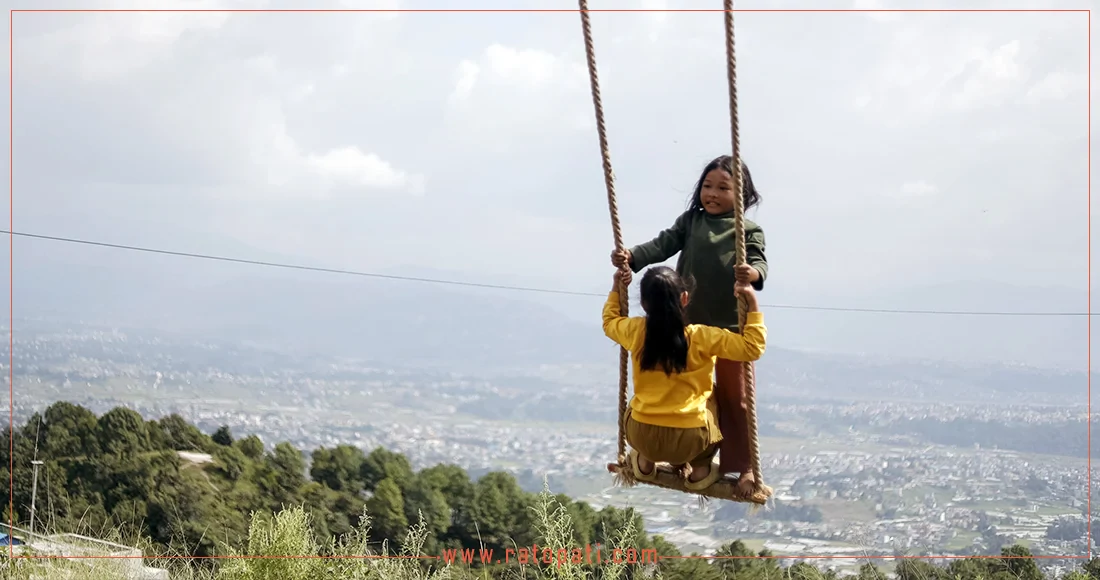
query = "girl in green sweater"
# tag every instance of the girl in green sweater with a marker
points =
(703, 236)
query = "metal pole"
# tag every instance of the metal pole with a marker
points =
(34, 491)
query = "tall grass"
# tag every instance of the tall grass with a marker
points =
(282, 546)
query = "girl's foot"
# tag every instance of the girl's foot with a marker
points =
(644, 469)
(702, 477)
(699, 473)
(746, 484)
(645, 466)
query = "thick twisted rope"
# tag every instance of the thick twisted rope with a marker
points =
(739, 234)
(613, 206)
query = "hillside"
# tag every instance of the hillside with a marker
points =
(118, 471)
(120, 475)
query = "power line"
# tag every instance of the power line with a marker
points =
(291, 266)
(501, 286)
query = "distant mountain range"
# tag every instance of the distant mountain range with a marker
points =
(1052, 341)
(443, 325)
(335, 314)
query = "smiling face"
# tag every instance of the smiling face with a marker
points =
(716, 192)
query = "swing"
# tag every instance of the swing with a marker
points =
(664, 477)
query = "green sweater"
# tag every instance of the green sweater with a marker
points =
(706, 246)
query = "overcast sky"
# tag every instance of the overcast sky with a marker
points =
(891, 150)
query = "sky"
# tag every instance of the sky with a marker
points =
(893, 151)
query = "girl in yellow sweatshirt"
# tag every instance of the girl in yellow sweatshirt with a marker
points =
(672, 417)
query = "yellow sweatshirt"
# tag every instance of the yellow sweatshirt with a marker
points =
(680, 399)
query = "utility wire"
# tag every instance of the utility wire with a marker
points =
(500, 286)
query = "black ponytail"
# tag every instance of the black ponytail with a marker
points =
(665, 344)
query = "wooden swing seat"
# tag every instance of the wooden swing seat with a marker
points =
(668, 478)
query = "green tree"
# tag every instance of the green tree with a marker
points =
(251, 446)
(1092, 568)
(968, 569)
(500, 510)
(692, 568)
(423, 499)
(912, 569)
(157, 437)
(10, 515)
(134, 477)
(610, 520)
(384, 464)
(1017, 561)
(769, 565)
(804, 571)
(736, 560)
(230, 462)
(334, 513)
(22, 473)
(223, 436)
(338, 468)
(869, 571)
(122, 431)
(179, 435)
(672, 566)
(387, 510)
(282, 476)
(454, 483)
(70, 431)
(186, 514)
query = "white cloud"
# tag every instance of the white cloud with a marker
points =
(528, 67)
(997, 75)
(517, 69)
(922, 73)
(111, 45)
(467, 78)
(352, 166)
(511, 93)
(228, 104)
(279, 161)
(918, 189)
(1056, 86)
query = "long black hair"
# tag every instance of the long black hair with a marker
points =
(750, 197)
(666, 345)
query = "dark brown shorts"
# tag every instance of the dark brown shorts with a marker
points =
(675, 445)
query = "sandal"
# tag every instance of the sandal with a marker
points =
(638, 471)
(707, 481)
